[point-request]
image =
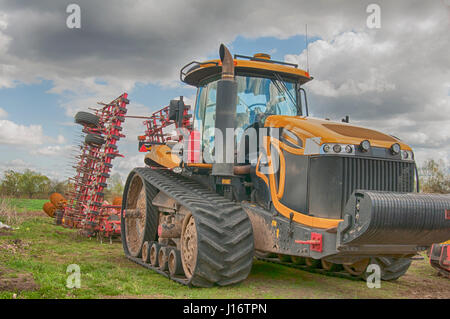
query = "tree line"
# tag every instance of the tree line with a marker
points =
(30, 184)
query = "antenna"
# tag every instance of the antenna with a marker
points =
(307, 53)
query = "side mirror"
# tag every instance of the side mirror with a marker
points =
(176, 111)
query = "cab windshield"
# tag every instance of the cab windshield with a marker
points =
(257, 98)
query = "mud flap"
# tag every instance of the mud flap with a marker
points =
(393, 222)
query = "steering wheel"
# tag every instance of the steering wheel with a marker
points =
(255, 104)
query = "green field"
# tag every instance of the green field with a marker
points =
(25, 204)
(34, 260)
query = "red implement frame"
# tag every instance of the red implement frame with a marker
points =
(85, 209)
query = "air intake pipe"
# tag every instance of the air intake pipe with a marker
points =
(225, 117)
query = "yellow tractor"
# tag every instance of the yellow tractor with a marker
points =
(247, 173)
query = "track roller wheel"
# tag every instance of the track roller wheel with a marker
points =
(146, 252)
(174, 263)
(154, 249)
(298, 260)
(312, 263)
(264, 254)
(358, 268)
(162, 258)
(284, 258)
(329, 266)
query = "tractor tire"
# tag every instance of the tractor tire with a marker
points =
(94, 139)
(391, 268)
(87, 119)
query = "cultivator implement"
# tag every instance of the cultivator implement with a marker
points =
(85, 208)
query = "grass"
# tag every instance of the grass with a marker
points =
(25, 204)
(44, 250)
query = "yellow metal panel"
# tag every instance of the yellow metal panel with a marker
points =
(162, 154)
(307, 127)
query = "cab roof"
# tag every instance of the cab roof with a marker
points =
(196, 73)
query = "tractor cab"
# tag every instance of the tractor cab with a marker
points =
(264, 87)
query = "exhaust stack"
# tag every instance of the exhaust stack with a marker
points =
(225, 116)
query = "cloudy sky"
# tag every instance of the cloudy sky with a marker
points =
(395, 78)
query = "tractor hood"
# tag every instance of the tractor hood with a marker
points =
(332, 132)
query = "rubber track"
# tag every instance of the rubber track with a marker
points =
(340, 274)
(390, 269)
(225, 235)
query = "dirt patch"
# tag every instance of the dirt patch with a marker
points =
(11, 281)
(5, 232)
(14, 246)
(433, 286)
(36, 214)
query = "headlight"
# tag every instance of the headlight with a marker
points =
(344, 149)
(364, 146)
(395, 148)
(337, 148)
(407, 155)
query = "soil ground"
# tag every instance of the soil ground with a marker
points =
(34, 259)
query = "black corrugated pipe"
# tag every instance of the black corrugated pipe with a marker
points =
(225, 115)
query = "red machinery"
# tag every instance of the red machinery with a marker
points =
(86, 208)
(440, 258)
(176, 115)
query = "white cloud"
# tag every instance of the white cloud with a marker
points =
(395, 79)
(52, 150)
(17, 165)
(20, 135)
(61, 139)
(123, 166)
(3, 113)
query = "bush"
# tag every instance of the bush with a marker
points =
(434, 177)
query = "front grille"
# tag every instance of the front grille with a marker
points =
(376, 174)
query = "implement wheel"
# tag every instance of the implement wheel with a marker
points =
(87, 119)
(94, 139)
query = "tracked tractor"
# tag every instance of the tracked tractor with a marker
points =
(246, 173)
